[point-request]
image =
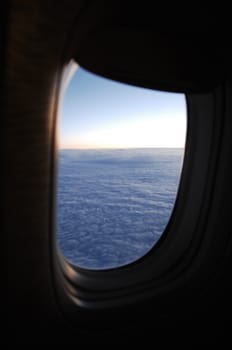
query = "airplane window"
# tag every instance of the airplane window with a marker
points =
(120, 158)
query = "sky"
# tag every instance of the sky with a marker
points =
(97, 112)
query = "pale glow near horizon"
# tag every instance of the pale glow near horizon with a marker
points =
(99, 113)
(131, 135)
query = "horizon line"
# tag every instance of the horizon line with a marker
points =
(117, 148)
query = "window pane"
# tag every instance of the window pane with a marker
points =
(120, 158)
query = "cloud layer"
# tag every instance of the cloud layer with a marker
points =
(113, 205)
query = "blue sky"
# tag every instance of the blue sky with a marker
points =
(100, 113)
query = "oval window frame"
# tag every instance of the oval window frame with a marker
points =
(148, 276)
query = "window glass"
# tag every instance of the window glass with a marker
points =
(120, 158)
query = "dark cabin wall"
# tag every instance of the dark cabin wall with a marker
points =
(37, 37)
